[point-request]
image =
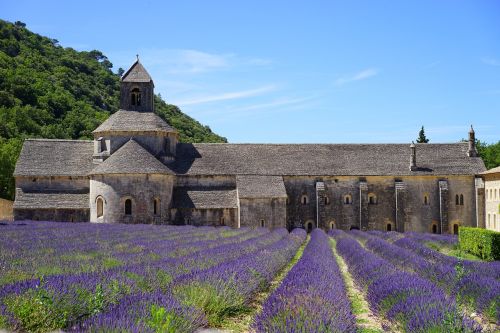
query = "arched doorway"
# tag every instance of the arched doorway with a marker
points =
(434, 229)
(309, 226)
(455, 229)
(353, 227)
(388, 227)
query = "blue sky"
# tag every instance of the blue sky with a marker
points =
(301, 71)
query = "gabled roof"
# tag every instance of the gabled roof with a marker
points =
(33, 200)
(324, 159)
(134, 121)
(136, 73)
(260, 187)
(129, 159)
(44, 157)
(210, 198)
(491, 171)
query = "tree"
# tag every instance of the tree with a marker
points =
(421, 136)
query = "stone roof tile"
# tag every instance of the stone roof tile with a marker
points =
(134, 121)
(136, 73)
(131, 158)
(50, 200)
(44, 157)
(324, 159)
(260, 187)
(210, 198)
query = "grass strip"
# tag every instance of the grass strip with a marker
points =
(242, 322)
(366, 321)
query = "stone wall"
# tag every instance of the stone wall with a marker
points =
(263, 212)
(141, 189)
(414, 212)
(58, 215)
(212, 217)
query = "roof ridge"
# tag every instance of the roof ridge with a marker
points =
(321, 144)
(52, 140)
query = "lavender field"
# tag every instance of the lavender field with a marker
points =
(81, 277)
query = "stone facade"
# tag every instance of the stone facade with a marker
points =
(492, 199)
(6, 210)
(136, 171)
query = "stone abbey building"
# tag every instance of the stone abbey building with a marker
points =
(136, 171)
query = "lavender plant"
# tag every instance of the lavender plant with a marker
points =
(311, 298)
(414, 304)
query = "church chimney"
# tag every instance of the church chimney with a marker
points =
(413, 160)
(472, 152)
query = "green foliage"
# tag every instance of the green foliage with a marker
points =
(421, 136)
(216, 303)
(54, 92)
(480, 242)
(37, 311)
(489, 153)
(163, 321)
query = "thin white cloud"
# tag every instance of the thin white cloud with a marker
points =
(274, 104)
(490, 61)
(362, 75)
(227, 96)
(188, 61)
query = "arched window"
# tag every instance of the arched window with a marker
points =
(426, 199)
(309, 226)
(372, 199)
(457, 200)
(455, 229)
(496, 194)
(327, 200)
(489, 221)
(100, 207)
(262, 223)
(332, 225)
(461, 199)
(135, 97)
(388, 227)
(347, 199)
(434, 229)
(128, 207)
(304, 199)
(156, 206)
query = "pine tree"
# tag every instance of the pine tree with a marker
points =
(421, 136)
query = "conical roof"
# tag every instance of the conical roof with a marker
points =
(134, 121)
(131, 158)
(136, 73)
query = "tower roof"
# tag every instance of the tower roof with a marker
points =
(129, 159)
(136, 73)
(134, 121)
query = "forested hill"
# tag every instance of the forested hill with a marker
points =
(50, 91)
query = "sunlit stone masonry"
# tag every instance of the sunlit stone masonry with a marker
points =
(136, 171)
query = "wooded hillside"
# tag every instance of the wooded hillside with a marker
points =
(49, 91)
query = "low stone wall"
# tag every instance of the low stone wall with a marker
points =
(6, 211)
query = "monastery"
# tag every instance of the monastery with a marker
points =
(136, 171)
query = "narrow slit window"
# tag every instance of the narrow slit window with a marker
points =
(100, 207)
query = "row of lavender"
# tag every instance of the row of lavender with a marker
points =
(412, 303)
(474, 285)
(181, 272)
(312, 297)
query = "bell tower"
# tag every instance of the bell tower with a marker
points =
(137, 89)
